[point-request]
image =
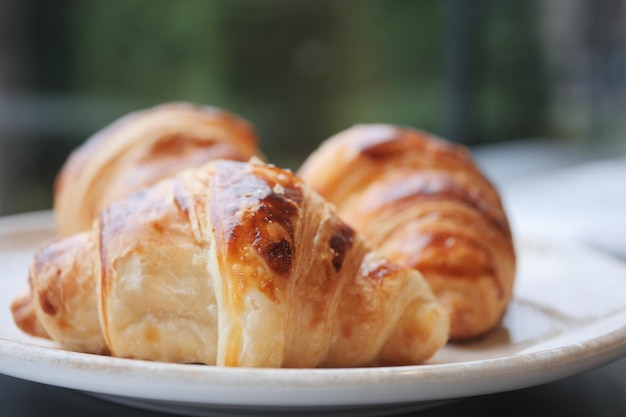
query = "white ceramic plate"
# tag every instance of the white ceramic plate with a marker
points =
(568, 316)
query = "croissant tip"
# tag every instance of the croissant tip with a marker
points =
(24, 316)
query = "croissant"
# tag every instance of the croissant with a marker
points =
(234, 264)
(140, 149)
(424, 203)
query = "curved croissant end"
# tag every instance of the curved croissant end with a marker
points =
(62, 303)
(423, 202)
(235, 264)
(141, 148)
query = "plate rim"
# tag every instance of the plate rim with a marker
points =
(308, 387)
(452, 380)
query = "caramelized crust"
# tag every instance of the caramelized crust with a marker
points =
(424, 203)
(140, 149)
(235, 264)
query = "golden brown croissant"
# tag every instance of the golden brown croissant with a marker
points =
(236, 264)
(140, 149)
(423, 202)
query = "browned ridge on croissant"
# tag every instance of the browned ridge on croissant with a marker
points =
(423, 202)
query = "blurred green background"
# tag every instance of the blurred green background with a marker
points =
(477, 72)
